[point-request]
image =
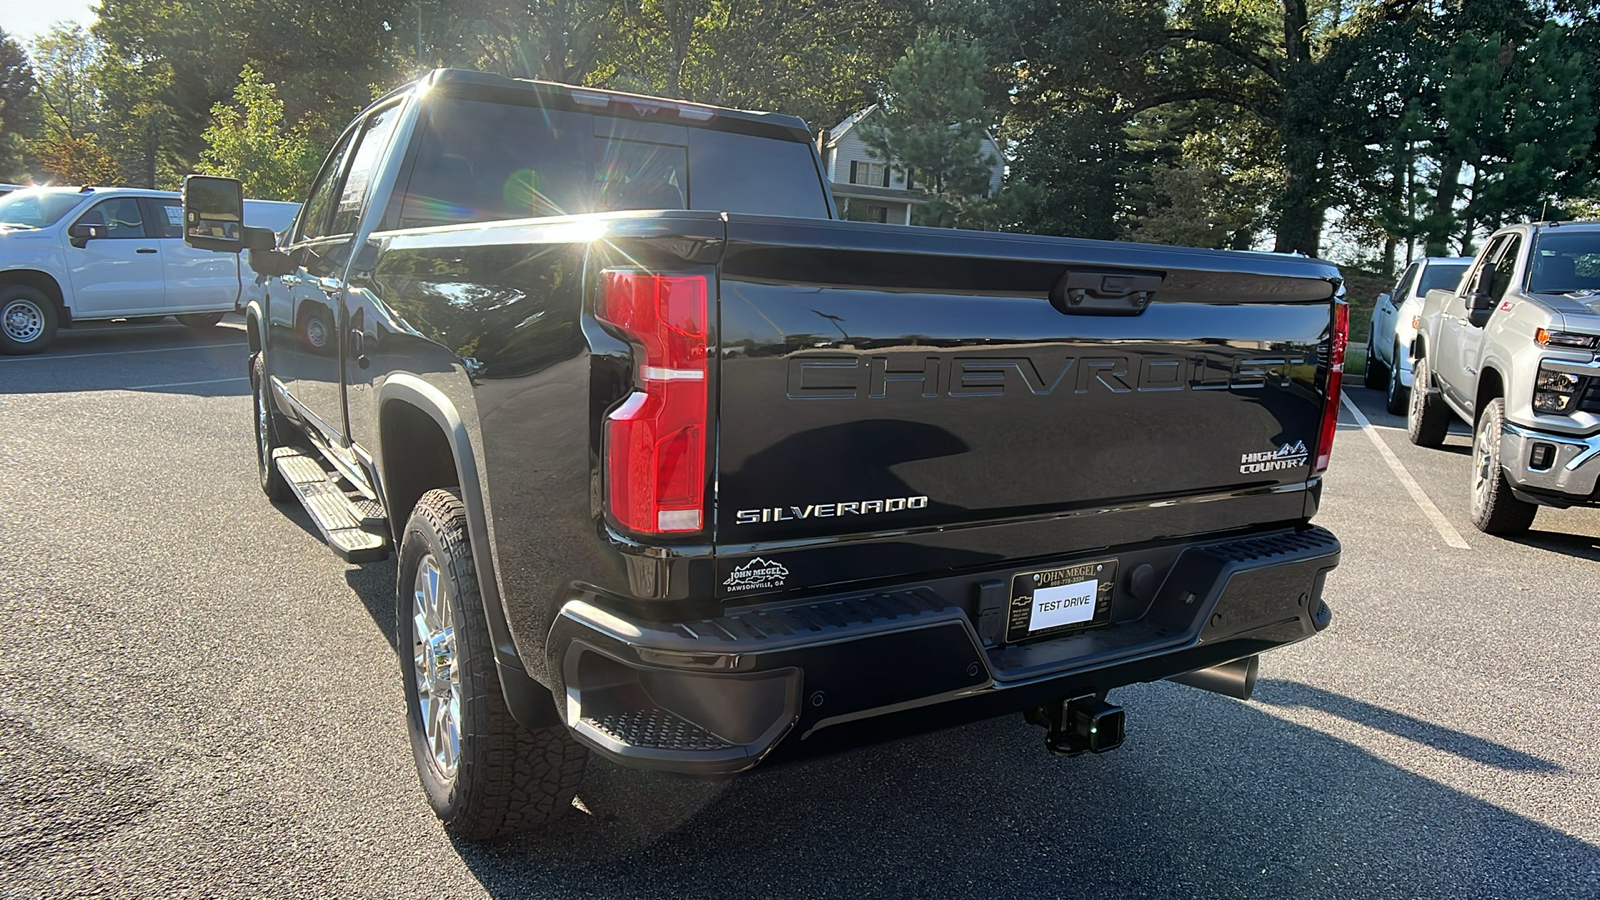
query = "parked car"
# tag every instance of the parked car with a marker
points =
(1512, 351)
(1394, 324)
(80, 254)
(685, 472)
(10, 188)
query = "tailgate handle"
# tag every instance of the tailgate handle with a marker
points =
(1105, 292)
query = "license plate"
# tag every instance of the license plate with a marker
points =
(1053, 601)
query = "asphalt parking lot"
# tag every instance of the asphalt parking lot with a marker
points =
(198, 701)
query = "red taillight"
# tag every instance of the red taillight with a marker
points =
(655, 442)
(1330, 408)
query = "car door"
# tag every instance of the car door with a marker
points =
(1472, 336)
(291, 352)
(318, 298)
(196, 280)
(1455, 331)
(1381, 345)
(119, 274)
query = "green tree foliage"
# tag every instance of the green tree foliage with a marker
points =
(17, 86)
(932, 125)
(68, 143)
(933, 117)
(250, 142)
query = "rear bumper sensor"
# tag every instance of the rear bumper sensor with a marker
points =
(718, 695)
(354, 528)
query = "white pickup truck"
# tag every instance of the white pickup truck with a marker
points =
(78, 254)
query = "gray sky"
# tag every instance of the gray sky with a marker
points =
(27, 19)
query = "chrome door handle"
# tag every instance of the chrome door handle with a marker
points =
(290, 280)
(331, 285)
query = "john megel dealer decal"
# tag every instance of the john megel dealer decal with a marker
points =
(756, 574)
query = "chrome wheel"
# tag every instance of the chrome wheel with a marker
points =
(1483, 464)
(433, 648)
(263, 442)
(22, 320)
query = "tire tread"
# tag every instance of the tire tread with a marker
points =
(510, 779)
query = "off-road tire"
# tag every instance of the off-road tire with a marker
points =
(1377, 373)
(1495, 510)
(508, 779)
(1427, 416)
(271, 427)
(1394, 390)
(199, 321)
(28, 320)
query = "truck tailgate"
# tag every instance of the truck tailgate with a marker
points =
(880, 382)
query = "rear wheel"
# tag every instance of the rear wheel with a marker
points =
(484, 774)
(1377, 372)
(1395, 391)
(27, 319)
(1495, 510)
(200, 321)
(1427, 418)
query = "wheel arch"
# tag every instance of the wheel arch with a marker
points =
(255, 332)
(1491, 384)
(424, 444)
(44, 282)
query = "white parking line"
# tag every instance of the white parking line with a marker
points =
(173, 384)
(1440, 523)
(23, 359)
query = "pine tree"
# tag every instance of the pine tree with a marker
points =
(932, 124)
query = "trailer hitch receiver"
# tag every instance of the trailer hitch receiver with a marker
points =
(1073, 726)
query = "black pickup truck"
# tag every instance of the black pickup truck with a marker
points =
(684, 471)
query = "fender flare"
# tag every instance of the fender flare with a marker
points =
(531, 703)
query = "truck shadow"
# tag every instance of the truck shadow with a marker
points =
(1583, 546)
(1210, 798)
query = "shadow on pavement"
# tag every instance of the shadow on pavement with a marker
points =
(1582, 546)
(161, 358)
(1273, 692)
(1210, 798)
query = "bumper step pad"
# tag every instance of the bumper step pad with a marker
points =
(352, 528)
(656, 729)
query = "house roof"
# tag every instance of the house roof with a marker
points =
(838, 131)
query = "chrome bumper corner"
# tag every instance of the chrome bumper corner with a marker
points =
(1574, 472)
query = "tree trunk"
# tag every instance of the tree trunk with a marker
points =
(1443, 215)
(1301, 217)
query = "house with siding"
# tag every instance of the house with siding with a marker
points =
(868, 189)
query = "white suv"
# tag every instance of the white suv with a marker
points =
(75, 254)
(1394, 324)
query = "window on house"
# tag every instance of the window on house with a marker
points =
(878, 214)
(875, 174)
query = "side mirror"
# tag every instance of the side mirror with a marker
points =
(271, 263)
(1384, 298)
(1479, 301)
(80, 234)
(213, 213)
